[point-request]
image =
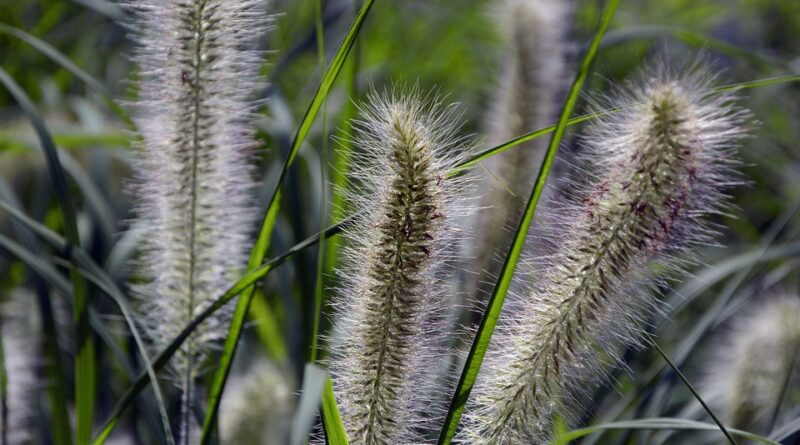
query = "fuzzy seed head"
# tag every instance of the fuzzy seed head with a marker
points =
(193, 183)
(389, 309)
(527, 97)
(21, 337)
(755, 377)
(662, 163)
(257, 407)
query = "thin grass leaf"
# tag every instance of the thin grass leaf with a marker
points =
(85, 369)
(331, 419)
(56, 56)
(261, 246)
(657, 424)
(695, 394)
(495, 304)
(323, 201)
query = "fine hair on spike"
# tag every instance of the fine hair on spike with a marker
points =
(389, 331)
(527, 97)
(755, 373)
(193, 186)
(659, 165)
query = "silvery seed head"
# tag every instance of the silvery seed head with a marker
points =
(389, 309)
(658, 166)
(754, 378)
(193, 179)
(257, 407)
(21, 337)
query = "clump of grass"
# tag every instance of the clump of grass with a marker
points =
(193, 186)
(661, 163)
(388, 332)
(755, 373)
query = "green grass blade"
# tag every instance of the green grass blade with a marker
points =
(694, 393)
(259, 250)
(335, 433)
(489, 320)
(323, 201)
(656, 424)
(56, 56)
(85, 384)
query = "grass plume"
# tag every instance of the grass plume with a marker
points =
(756, 369)
(193, 187)
(662, 163)
(391, 305)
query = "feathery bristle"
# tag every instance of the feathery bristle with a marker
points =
(663, 162)
(755, 374)
(390, 306)
(193, 187)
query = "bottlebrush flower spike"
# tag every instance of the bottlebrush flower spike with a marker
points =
(527, 98)
(391, 305)
(756, 371)
(21, 339)
(193, 186)
(663, 161)
(257, 407)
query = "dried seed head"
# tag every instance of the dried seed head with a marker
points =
(662, 162)
(755, 374)
(390, 304)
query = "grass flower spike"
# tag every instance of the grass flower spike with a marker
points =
(533, 78)
(662, 162)
(193, 185)
(20, 337)
(392, 302)
(258, 407)
(755, 376)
